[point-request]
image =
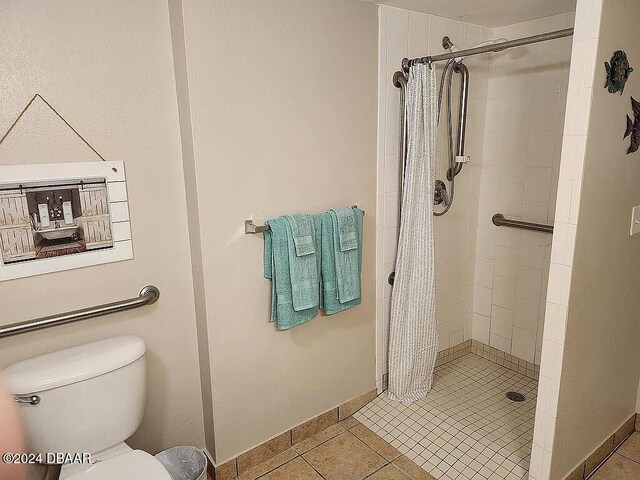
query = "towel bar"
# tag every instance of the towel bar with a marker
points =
(250, 227)
(147, 296)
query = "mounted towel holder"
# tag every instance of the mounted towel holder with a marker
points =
(250, 227)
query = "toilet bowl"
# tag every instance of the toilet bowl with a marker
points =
(133, 464)
(87, 399)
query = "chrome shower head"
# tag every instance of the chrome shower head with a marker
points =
(495, 41)
(452, 48)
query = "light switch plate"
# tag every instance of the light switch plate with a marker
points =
(635, 220)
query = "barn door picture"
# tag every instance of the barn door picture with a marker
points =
(53, 219)
(59, 216)
(95, 225)
(16, 236)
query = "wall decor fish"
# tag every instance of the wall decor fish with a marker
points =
(617, 72)
(633, 127)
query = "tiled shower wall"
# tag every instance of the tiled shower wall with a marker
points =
(579, 92)
(409, 34)
(519, 178)
(491, 282)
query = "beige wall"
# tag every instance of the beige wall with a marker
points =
(292, 127)
(283, 105)
(107, 67)
(193, 213)
(600, 367)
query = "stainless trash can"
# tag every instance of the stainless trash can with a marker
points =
(184, 463)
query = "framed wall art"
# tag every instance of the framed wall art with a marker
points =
(61, 216)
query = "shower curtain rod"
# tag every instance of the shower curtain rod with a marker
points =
(496, 47)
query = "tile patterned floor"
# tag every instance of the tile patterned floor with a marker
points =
(465, 428)
(346, 451)
(624, 464)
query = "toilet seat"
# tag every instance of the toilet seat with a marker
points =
(132, 465)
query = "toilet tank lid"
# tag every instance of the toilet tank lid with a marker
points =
(73, 365)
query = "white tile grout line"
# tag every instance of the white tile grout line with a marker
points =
(465, 428)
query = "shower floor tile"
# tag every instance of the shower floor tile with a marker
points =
(465, 428)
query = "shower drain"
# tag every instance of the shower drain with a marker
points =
(516, 396)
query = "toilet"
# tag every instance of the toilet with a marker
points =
(87, 399)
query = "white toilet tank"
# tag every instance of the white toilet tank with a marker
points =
(91, 396)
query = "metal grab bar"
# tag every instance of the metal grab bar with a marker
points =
(499, 220)
(400, 81)
(148, 295)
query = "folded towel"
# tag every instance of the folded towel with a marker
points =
(346, 219)
(301, 226)
(331, 301)
(277, 267)
(268, 254)
(347, 267)
(268, 270)
(304, 271)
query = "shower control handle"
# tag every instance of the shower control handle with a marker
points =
(440, 194)
(391, 278)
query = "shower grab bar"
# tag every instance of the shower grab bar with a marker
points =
(147, 296)
(499, 220)
(400, 81)
(250, 227)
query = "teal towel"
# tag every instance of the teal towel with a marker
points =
(346, 219)
(268, 254)
(304, 271)
(268, 269)
(347, 267)
(277, 268)
(303, 233)
(331, 302)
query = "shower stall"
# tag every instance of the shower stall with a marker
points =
(502, 93)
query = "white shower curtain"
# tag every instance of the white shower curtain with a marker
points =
(413, 337)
